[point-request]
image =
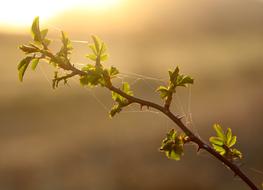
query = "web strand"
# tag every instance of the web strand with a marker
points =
(44, 74)
(147, 80)
(193, 126)
(95, 97)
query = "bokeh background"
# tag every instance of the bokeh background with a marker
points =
(63, 139)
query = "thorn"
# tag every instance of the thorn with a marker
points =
(180, 117)
(200, 147)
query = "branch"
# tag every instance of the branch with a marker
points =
(184, 128)
(97, 75)
(192, 137)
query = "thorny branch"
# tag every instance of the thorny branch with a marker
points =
(192, 137)
(62, 61)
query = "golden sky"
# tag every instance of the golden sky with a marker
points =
(17, 15)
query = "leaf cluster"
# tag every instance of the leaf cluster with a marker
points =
(96, 73)
(66, 48)
(99, 49)
(175, 80)
(40, 40)
(38, 50)
(120, 102)
(39, 36)
(223, 143)
(173, 145)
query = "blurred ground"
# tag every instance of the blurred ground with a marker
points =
(63, 139)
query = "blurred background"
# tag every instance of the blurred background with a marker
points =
(63, 139)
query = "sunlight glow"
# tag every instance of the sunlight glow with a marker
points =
(20, 13)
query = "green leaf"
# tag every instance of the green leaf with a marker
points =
(103, 48)
(24, 61)
(93, 48)
(164, 92)
(171, 135)
(93, 78)
(184, 80)
(219, 149)
(34, 63)
(115, 109)
(173, 155)
(236, 153)
(113, 71)
(216, 140)
(22, 66)
(126, 88)
(46, 42)
(88, 67)
(66, 42)
(66, 48)
(174, 74)
(228, 136)
(223, 143)
(97, 44)
(175, 80)
(122, 102)
(219, 131)
(64, 38)
(118, 98)
(27, 49)
(104, 57)
(92, 57)
(35, 30)
(232, 142)
(44, 33)
(173, 144)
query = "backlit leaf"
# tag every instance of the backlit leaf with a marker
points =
(35, 30)
(104, 57)
(219, 131)
(113, 71)
(22, 66)
(216, 140)
(228, 136)
(44, 33)
(97, 43)
(219, 149)
(163, 91)
(233, 141)
(92, 57)
(34, 63)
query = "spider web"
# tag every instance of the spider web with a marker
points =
(182, 109)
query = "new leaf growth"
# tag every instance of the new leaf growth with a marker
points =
(176, 79)
(223, 143)
(173, 145)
